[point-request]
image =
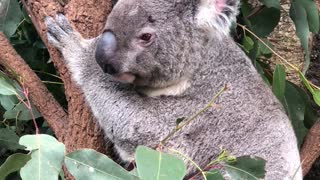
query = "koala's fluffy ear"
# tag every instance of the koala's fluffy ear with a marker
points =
(217, 15)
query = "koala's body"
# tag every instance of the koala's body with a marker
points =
(159, 60)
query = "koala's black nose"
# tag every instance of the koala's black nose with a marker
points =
(110, 69)
(105, 53)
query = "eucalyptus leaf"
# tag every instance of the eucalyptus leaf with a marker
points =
(258, 64)
(21, 112)
(279, 82)
(316, 96)
(271, 3)
(264, 49)
(246, 167)
(12, 164)
(246, 8)
(264, 22)
(6, 88)
(134, 172)
(214, 175)
(9, 139)
(88, 164)
(305, 16)
(179, 120)
(314, 91)
(295, 106)
(26, 16)
(8, 102)
(153, 164)
(10, 17)
(47, 156)
(248, 43)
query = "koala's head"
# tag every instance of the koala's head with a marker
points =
(154, 43)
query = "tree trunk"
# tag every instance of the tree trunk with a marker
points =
(76, 128)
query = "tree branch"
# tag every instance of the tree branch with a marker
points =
(39, 94)
(89, 16)
(311, 148)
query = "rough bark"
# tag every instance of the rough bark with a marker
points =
(77, 128)
(311, 148)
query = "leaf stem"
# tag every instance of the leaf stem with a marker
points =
(190, 160)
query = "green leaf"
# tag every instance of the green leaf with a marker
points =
(314, 91)
(6, 88)
(13, 163)
(316, 96)
(179, 120)
(247, 43)
(134, 172)
(26, 16)
(88, 164)
(310, 116)
(247, 168)
(279, 82)
(271, 3)
(254, 52)
(264, 49)
(21, 112)
(39, 44)
(9, 139)
(246, 8)
(214, 175)
(62, 176)
(157, 165)
(47, 156)
(263, 23)
(295, 106)
(305, 16)
(11, 18)
(8, 102)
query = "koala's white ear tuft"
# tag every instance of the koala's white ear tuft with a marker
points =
(217, 15)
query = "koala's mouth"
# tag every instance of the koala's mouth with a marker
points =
(125, 77)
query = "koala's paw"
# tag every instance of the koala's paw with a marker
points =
(60, 33)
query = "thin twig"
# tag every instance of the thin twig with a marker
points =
(284, 61)
(265, 44)
(210, 104)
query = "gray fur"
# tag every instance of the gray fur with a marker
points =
(248, 121)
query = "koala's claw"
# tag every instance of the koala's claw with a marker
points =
(58, 30)
(64, 23)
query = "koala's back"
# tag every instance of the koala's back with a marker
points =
(247, 120)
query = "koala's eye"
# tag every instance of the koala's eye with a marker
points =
(146, 37)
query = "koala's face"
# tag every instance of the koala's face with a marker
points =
(152, 42)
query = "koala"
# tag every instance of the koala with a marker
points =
(160, 60)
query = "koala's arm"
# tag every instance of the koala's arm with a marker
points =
(98, 87)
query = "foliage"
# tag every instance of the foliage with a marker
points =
(41, 156)
(254, 27)
(48, 155)
(88, 164)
